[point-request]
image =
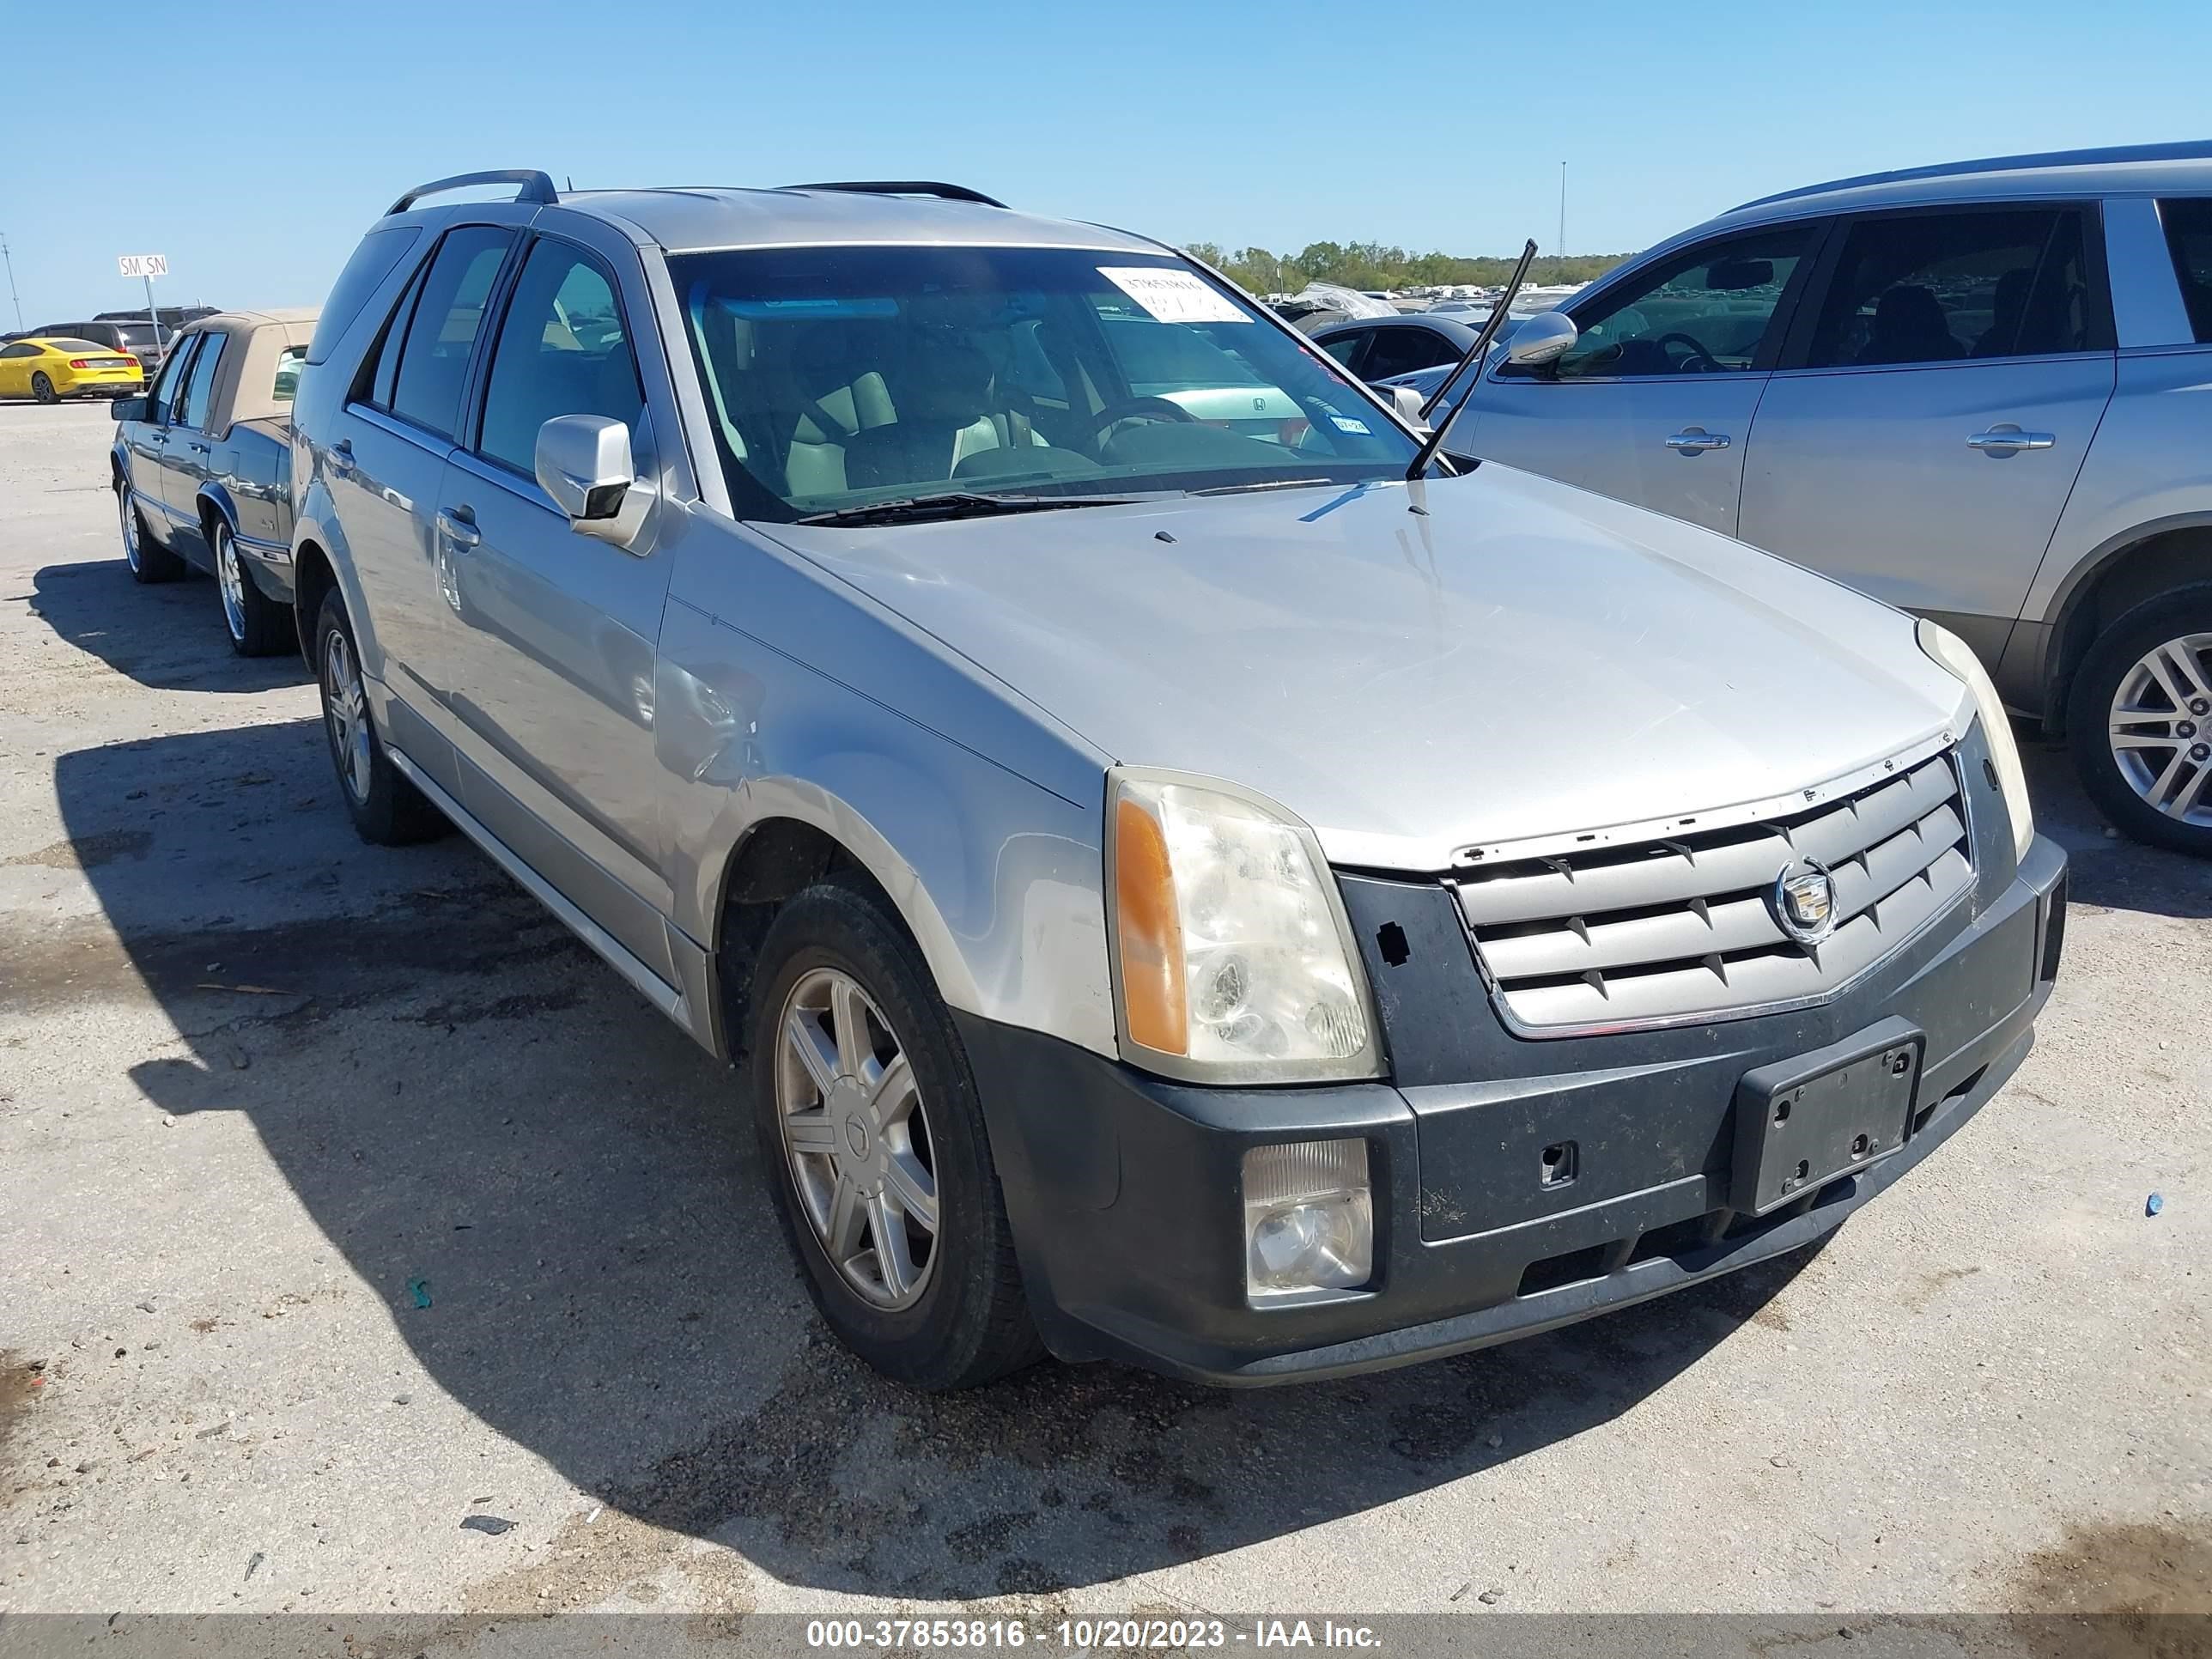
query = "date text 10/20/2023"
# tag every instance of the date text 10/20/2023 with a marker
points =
(1085, 1635)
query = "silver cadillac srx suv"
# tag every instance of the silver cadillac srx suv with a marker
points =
(1209, 889)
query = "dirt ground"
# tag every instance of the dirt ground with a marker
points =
(343, 1196)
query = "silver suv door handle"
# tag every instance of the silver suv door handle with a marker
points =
(458, 532)
(1696, 440)
(2010, 437)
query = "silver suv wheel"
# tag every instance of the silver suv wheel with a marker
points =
(347, 701)
(2160, 728)
(856, 1136)
(129, 515)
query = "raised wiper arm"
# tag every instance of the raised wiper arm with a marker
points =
(957, 504)
(1495, 321)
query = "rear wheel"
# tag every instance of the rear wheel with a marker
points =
(873, 1138)
(2139, 720)
(43, 389)
(259, 627)
(150, 562)
(385, 808)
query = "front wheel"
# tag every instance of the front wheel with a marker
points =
(258, 626)
(43, 389)
(2139, 722)
(387, 811)
(872, 1137)
(148, 561)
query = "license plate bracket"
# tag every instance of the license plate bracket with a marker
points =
(1802, 1121)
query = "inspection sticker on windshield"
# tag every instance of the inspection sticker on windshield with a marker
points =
(1173, 296)
(1345, 423)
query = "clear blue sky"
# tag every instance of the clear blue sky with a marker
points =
(255, 159)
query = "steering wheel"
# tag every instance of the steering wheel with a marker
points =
(1137, 408)
(1699, 355)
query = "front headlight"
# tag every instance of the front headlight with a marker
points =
(1956, 655)
(1232, 960)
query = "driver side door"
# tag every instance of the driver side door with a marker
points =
(1654, 403)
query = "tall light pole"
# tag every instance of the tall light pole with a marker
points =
(1560, 246)
(12, 296)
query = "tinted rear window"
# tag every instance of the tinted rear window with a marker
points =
(92, 346)
(364, 273)
(2189, 234)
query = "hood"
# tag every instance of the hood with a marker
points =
(1524, 660)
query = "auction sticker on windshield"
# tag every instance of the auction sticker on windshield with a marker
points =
(1173, 296)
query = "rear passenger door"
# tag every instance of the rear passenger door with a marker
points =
(555, 635)
(386, 465)
(1933, 407)
(184, 461)
(1654, 403)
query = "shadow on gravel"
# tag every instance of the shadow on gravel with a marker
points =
(168, 636)
(2106, 869)
(482, 1118)
(466, 1100)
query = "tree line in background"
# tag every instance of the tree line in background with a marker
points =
(1372, 265)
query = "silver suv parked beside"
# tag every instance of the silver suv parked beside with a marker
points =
(1260, 903)
(1973, 391)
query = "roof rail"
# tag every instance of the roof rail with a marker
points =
(2190, 150)
(908, 187)
(537, 187)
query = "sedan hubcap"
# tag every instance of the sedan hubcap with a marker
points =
(2158, 728)
(346, 705)
(234, 583)
(857, 1138)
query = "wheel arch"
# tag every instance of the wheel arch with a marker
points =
(312, 576)
(2135, 566)
(800, 834)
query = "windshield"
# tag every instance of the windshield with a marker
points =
(840, 376)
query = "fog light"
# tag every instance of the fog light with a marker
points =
(1309, 1221)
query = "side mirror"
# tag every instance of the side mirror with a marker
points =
(1543, 338)
(1407, 403)
(585, 463)
(131, 409)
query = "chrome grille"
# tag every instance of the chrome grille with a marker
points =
(1683, 928)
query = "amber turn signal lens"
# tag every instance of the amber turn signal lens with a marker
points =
(1152, 998)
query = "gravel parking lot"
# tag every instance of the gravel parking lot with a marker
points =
(343, 1196)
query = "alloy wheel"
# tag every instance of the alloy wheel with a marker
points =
(129, 516)
(346, 702)
(232, 580)
(2160, 728)
(856, 1136)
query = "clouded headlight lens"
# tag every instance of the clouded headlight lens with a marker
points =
(1955, 654)
(1232, 956)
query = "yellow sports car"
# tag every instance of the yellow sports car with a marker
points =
(50, 367)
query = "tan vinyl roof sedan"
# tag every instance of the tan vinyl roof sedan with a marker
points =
(202, 468)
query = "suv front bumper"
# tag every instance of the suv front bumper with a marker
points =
(1125, 1190)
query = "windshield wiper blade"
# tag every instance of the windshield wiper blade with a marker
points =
(1263, 483)
(958, 504)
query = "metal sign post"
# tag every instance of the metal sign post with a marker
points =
(149, 266)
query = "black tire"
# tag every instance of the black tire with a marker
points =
(147, 560)
(2104, 674)
(257, 624)
(43, 389)
(387, 811)
(970, 1322)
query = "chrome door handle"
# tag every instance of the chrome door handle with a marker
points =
(198, 449)
(2011, 437)
(1696, 440)
(457, 530)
